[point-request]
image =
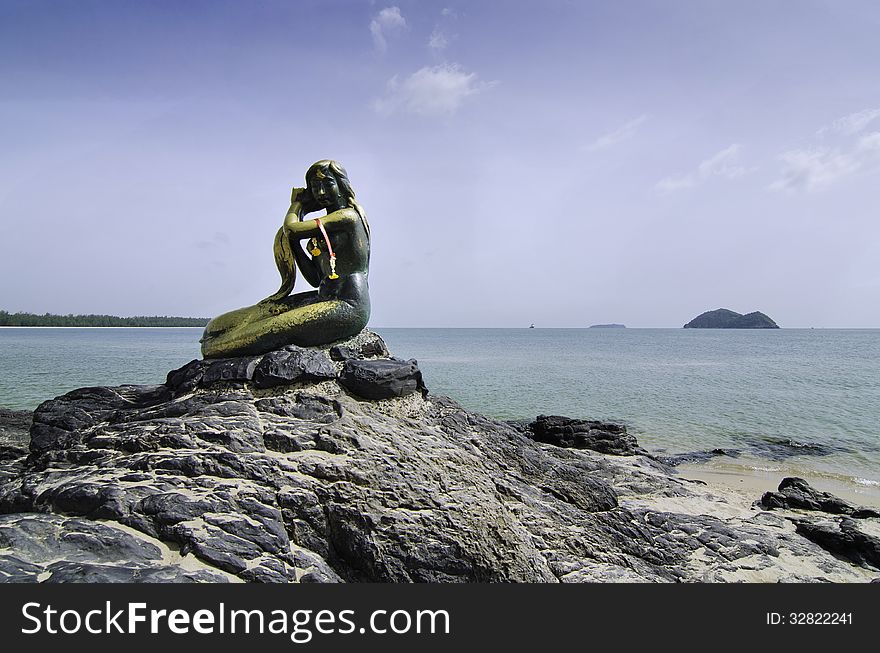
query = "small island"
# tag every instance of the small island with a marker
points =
(723, 318)
(608, 326)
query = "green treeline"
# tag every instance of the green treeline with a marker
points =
(31, 319)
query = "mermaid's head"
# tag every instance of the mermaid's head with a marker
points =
(330, 177)
(318, 178)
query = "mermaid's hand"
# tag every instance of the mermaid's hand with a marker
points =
(305, 200)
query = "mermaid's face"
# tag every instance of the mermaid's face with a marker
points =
(324, 188)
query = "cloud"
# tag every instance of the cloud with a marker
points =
(812, 169)
(723, 164)
(845, 150)
(618, 135)
(440, 36)
(869, 143)
(438, 40)
(851, 124)
(430, 91)
(818, 168)
(387, 22)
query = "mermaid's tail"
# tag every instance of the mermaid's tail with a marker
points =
(272, 325)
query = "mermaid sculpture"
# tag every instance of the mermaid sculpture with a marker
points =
(336, 263)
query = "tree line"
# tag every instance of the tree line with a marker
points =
(32, 319)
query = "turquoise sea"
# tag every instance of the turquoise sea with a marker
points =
(796, 401)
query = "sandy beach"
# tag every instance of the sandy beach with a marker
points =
(752, 477)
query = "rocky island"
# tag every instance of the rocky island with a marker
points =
(723, 318)
(335, 463)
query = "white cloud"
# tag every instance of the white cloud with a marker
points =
(387, 22)
(851, 124)
(845, 151)
(672, 184)
(430, 91)
(618, 135)
(819, 168)
(869, 143)
(438, 40)
(812, 169)
(723, 164)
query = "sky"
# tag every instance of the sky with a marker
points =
(547, 162)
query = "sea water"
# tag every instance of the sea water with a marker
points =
(781, 396)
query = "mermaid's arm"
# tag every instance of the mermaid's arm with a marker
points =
(306, 263)
(289, 254)
(336, 221)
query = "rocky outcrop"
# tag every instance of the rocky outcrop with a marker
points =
(796, 494)
(842, 537)
(762, 446)
(673, 460)
(59, 549)
(210, 477)
(381, 379)
(723, 318)
(584, 434)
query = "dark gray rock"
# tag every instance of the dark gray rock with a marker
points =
(843, 538)
(585, 434)
(58, 549)
(371, 347)
(302, 406)
(293, 365)
(187, 378)
(382, 378)
(229, 370)
(796, 493)
(61, 422)
(784, 448)
(574, 485)
(673, 460)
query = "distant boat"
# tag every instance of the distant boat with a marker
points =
(532, 327)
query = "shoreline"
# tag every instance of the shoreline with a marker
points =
(753, 483)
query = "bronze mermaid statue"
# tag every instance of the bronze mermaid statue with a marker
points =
(336, 261)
